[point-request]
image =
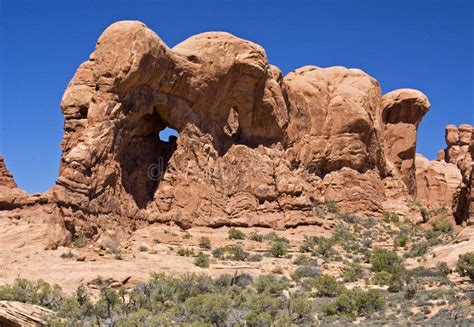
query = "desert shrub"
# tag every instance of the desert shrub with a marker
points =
(142, 317)
(385, 260)
(327, 286)
(270, 284)
(235, 253)
(67, 255)
(391, 217)
(39, 293)
(318, 245)
(356, 303)
(369, 223)
(425, 214)
(442, 226)
(235, 234)
(185, 252)
(255, 236)
(368, 301)
(381, 278)
(211, 308)
(342, 234)
(419, 249)
(401, 240)
(262, 309)
(201, 260)
(353, 272)
(396, 283)
(443, 268)
(205, 242)
(332, 206)
(302, 260)
(410, 291)
(187, 236)
(142, 248)
(218, 253)
(79, 240)
(278, 249)
(305, 272)
(465, 265)
(156, 241)
(301, 311)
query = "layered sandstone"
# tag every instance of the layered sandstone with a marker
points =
(255, 148)
(10, 195)
(447, 181)
(459, 152)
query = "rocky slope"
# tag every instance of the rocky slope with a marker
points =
(255, 148)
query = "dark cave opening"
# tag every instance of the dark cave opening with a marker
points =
(145, 152)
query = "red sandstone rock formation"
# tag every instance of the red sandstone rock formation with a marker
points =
(255, 148)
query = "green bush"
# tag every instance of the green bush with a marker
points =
(425, 214)
(212, 308)
(235, 253)
(418, 249)
(205, 242)
(278, 249)
(465, 265)
(327, 286)
(218, 253)
(305, 272)
(356, 303)
(39, 293)
(443, 268)
(202, 260)
(319, 245)
(301, 311)
(401, 240)
(382, 278)
(235, 234)
(270, 284)
(385, 260)
(185, 252)
(391, 217)
(352, 273)
(442, 226)
(255, 236)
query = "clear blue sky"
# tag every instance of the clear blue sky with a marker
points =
(427, 45)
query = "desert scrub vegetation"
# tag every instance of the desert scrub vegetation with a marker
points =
(201, 260)
(231, 252)
(255, 236)
(278, 249)
(465, 265)
(205, 243)
(242, 300)
(235, 234)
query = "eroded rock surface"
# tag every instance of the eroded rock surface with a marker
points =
(255, 148)
(447, 181)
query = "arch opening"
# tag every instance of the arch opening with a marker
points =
(145, 152)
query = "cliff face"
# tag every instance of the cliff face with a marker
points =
(255, 148)
(447, 181)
